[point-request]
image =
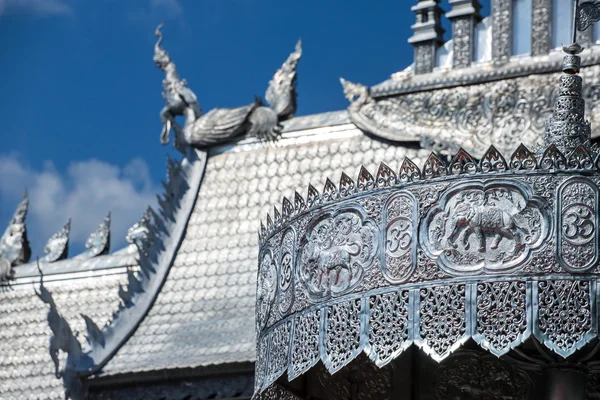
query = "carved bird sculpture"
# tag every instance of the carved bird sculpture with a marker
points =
(221, 125)
(177, 95)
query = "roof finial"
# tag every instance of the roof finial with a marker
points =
(567, 127)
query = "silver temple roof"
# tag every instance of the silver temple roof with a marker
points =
(204, 313)
(26, 370)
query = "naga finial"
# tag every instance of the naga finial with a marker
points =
(98, 243)
(281, 93)
(14, 245)
(176, 93)
(356, 93)
(161, 57)
(57, 247)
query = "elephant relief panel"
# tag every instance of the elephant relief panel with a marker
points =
(266, 287)
(400, 221)
(577, 232)
(336, 251)
(485, 227)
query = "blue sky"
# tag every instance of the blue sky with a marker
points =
(81, 95)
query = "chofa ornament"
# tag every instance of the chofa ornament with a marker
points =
(221, 125)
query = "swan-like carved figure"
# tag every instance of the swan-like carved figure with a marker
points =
(221, 125)
(175, 90)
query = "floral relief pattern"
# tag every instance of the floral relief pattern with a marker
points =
(305, 344)
(280, 342)
(502, 113)
(342, 334)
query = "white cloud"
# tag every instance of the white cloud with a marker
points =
(159, 10)
(35, 7)
(170, 9)
(86, 192)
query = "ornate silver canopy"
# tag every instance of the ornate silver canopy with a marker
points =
(503, 252)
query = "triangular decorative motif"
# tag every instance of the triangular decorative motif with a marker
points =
(329, 191)
(462, 163)
(492, 161)
(287, 208)
(522, 158)
(553, 159)
(313, 197)
(365, 180)
(580, 158)
(409, 171)
(434, 167)
(347, 185)
(299, 204)
(385, 176)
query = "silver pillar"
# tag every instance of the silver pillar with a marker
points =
(464, 15)
(541, 27)
(428, 34)
(501, 31)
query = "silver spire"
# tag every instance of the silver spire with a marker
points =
(567, 128)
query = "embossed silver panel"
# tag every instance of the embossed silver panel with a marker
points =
(287, 270)
(489, 226)
(335, 252)
(400, 237)
(577, 214)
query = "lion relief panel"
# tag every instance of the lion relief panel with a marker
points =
(336, 251)
(485, 227)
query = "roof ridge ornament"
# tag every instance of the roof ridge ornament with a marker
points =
(98, 243)
(175, 90)
(57, 247)
(588, 13)
(14, 245)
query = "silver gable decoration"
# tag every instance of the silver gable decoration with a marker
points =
(225, 124)
(502, 113)
(157, 237)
